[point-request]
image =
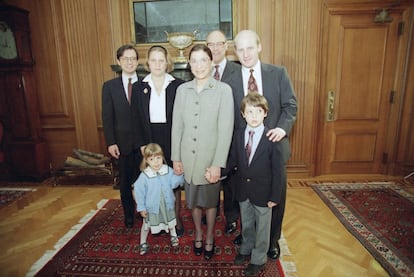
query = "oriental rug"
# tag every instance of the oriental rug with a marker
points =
(100, 245)
(10, 195)
(380, 216)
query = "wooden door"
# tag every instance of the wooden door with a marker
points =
(358, 72)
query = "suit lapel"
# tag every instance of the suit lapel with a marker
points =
(170, 98)
(267, 79)
(228, 71)
(242, 148)
(237, 81)
(145, 100)
(121, 89)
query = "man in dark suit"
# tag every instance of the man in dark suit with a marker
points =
(222, 70)
(274, 84)
(120, 129)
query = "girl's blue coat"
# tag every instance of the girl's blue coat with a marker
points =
(148, 187)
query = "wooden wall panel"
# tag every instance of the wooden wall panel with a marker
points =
(289, 32)
(297, 40)
(74, 44)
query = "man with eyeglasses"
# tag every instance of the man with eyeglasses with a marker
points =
(222, 69)
(120, 129)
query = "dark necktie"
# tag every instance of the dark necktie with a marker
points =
(249, 146)
(129, 90)
(252, 85)
(216, 73)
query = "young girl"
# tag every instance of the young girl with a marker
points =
(154, 195)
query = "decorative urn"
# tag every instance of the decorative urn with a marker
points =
(181, 41)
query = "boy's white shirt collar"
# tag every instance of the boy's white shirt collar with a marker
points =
(258, 130)
(151, 173)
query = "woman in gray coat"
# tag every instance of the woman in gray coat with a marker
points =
(202, 128)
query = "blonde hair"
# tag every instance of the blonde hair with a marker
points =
(151, 149)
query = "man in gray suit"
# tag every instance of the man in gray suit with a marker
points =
(222, 70)
(274, 84)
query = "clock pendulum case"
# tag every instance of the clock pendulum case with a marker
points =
(26, 151)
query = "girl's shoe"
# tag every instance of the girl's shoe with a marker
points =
(174, 241)
(208, 254)
(198, 250)
(144, 248)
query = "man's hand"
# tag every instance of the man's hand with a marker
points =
(113, 150)
(276, 134)
(143, 214)
(271, 204)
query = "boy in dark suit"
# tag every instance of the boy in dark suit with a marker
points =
(259, 164)
(120, 126)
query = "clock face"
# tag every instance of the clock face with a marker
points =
(8, 50)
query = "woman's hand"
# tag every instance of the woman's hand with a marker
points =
(213, 174)
(143, 214)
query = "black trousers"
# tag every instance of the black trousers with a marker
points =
(128, 166)
(230, 206)
(277, 214)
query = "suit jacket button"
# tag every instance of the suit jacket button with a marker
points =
(248, 180)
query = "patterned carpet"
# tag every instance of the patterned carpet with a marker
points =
(10, 195)
(101, 246)
(380, 216)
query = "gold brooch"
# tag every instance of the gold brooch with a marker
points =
(145, 90)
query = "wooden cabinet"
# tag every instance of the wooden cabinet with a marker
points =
(26, 151)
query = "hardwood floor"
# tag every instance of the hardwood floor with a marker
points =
(319, 244)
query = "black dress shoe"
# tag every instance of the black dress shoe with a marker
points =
(231, 227)
(238, 240)
(240, 259)
(208, 254)
(198, 250)
(129, 222)
(274, 253)
(253, 269)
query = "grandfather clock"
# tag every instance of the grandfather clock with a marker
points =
(26, 150)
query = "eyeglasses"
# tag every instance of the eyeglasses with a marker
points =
(202, 61)
(215, 44)
(128, 59)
